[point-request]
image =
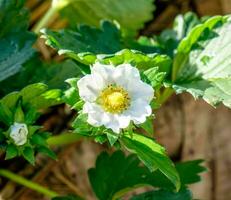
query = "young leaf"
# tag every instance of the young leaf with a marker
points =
(11, 152)
(152, 155)
(15, 41)
(28, 154)
(201, 66)
(184, 194)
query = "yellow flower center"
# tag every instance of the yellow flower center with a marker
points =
(114, 99)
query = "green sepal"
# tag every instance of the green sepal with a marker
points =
(112, 138)
(11, 151)
(28, 154)
(19, 114)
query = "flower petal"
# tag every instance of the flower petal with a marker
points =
(138, 111)
(124, 73)
(140, 90)
(105, 71)
(90, 86)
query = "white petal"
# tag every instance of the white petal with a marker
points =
(105, 71)
(140, 90)
(124, 73)
(90, 86)
(138, 111)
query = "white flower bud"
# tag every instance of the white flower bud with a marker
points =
(19, 133)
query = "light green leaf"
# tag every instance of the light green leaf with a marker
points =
(130, 14)
(184, 194)
(148, 126)
(152, 155)
(112, 138)
(202, 64)
(15, 41)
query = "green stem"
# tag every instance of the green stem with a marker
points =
(165, 95)
(63, 139)
(45, 20)
(34, 186)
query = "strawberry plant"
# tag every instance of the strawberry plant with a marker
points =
(114, 82)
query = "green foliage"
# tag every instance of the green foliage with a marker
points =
(25, 107)
(85, 41)
(35, 70)
(184, 194)
(15, 41)
(152, 155)
(201, 66)
(119, 174)
(130, 14)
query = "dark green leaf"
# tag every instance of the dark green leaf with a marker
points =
(15, 41)
(115, 173)
(69, 197)
(85, 41)
(164, 195)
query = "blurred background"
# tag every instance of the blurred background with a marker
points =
(188, 129)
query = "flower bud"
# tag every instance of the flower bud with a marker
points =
(19, 132)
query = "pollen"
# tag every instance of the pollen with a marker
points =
(114, 99)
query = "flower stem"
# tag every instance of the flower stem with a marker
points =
(167, 93)
(63, 139)
(45, 20)
(34, 186)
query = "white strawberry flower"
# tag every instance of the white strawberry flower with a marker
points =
(115, 96)
(19, 132)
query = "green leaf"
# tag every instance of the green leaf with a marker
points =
(152, 155)
(45, 150)
(85, 41)
(164, 195)
(201, 66)
(189, 171)
(6, 116)
(36, 139)
(119, 174)
(28, 154)
(155, 77)
(11, 152)
(15, 41)
(131, 15)
(115, 173)
(69, 197)
(80, 124)
(52, 74)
